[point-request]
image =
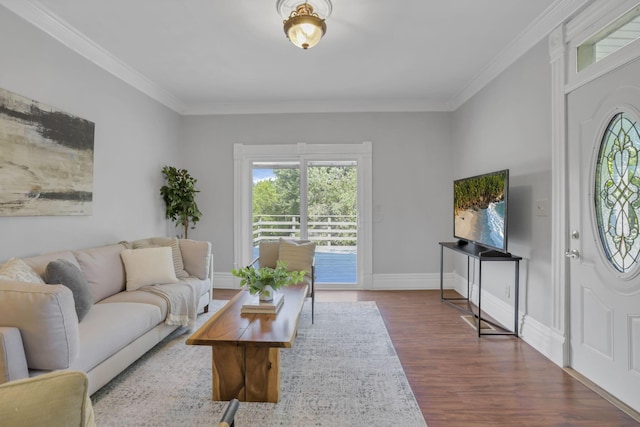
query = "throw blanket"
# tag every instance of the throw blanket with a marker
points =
(182, 301)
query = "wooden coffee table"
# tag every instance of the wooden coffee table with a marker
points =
(246, 347)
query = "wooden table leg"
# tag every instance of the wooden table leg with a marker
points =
(248, 373)
(262, 375)
(227, 364)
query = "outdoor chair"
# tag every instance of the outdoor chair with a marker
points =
(298, 255)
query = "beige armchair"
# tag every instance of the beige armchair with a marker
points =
(56, 399)
(298, 255)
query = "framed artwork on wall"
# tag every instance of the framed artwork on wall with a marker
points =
(46, 159)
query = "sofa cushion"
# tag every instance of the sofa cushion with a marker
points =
(141, 297)
(196, 256)
(297, 255)
(13, 362)
(64, 273)
(148, 266)
(103, 269)
(176, 254)
(46, 317)
(109, 327)
(18, 270)
(39, 263)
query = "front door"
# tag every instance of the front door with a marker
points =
(604, 209)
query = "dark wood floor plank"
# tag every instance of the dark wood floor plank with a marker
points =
(462, 380)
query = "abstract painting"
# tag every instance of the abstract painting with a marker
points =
(46, 159)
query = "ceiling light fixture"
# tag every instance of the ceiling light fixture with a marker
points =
(304, 25)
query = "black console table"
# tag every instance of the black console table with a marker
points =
(481, 254)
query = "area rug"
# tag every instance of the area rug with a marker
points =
(341, 371)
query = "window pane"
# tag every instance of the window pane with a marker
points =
(276, 201)
(333, 219)
(617, 192)
(611, 39)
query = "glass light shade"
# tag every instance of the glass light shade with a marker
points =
(305, 31)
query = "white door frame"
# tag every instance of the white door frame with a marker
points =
(563, 42)
(245, 155)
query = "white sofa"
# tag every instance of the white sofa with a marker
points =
(39, 327)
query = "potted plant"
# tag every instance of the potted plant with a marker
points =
(265, 280)
(179, 195)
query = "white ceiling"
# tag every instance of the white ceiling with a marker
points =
(231, 56)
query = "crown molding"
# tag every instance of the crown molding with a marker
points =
(41, 17)
(38, 15)
(556, 14)
(318, 106)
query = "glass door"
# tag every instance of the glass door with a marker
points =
(332, 214)
(314, 200)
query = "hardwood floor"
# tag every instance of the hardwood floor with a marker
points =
(462, 380)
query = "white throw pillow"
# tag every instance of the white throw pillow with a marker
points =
(148, 266)
(155, 242)
(17, 270)
(298, 255)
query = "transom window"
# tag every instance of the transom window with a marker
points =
(613, 38)
(617, 192)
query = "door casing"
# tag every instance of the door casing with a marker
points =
(244, 157)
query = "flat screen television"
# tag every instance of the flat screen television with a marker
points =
(480, 210)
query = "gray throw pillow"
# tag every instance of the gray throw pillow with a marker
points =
(64, 273)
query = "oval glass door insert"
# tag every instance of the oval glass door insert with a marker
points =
(617, 192)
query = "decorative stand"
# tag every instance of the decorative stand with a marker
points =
(482, 255)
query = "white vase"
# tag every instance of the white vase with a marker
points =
(267, 294)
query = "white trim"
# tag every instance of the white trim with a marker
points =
(559, 200)
(596, 17)
(244, 155)
(558, 348)
(538, 336)
(564, 78)
(553, 16)
(224, 281)
(41, 17)
(320, 106)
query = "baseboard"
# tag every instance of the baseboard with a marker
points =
(557, 352)
(224, 281)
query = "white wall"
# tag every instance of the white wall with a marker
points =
(508, 125)
(134, 137)
(411, 176)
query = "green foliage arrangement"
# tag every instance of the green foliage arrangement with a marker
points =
(257, 279)
(179, 195)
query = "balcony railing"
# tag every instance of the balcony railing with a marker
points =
(326, 230)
